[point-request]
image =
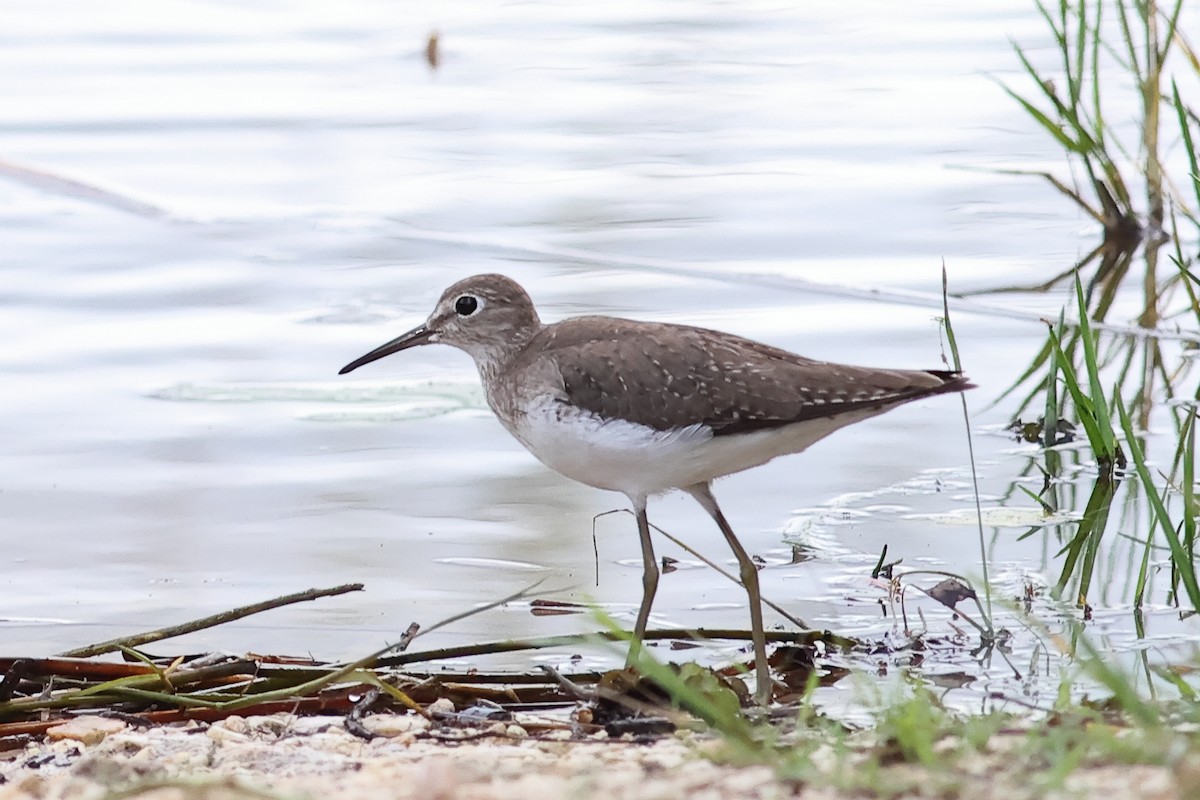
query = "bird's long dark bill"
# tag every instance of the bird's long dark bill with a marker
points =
(418, 335)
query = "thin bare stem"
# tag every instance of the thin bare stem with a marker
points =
(138, 639)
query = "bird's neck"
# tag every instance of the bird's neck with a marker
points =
(496, 355)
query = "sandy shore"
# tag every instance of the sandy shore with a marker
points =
(315, 757)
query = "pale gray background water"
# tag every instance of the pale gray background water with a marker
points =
(177, 441)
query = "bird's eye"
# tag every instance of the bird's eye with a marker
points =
(466, 305)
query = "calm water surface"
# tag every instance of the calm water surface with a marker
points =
(264, 193)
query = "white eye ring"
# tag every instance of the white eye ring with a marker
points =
(467, 304)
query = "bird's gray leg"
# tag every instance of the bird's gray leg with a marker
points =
(649, 578)
(749, 574)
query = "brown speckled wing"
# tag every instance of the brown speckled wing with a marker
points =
(670, 376)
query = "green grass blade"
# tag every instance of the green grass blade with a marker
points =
(983, 559)
(1083, 404)
(1190, 510)
(1179, 556)
(1052, 127)
(1075, 71)
(1100, 407)
(1037, 498)
(1097, 114)
(1191, 283)
(1131, 46)
(1083, 144)
(1087, 536)
(1050, 413)
(1059, 35)
(950, 340)
(1169, 33)
(1143, 576)
(1189, 145)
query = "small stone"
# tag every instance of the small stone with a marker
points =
(395, 724)
(516, 732)
(498, 729)
(86, 730)
(223, 735)
(146, 755)
(440, 706)
(235, 724)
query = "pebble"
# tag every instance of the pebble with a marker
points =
(86, 730)
(327, 762)
(222, 734)
(235, 724)
(440, 706)
(395, 724)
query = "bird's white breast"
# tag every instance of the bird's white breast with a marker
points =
(640, 461)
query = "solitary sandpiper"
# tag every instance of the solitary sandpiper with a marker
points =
(644, 407)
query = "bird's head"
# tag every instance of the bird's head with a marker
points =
(484, 315)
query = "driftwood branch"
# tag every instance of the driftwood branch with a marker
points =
(138, 639)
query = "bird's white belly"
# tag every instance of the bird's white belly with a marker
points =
(641, 461)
